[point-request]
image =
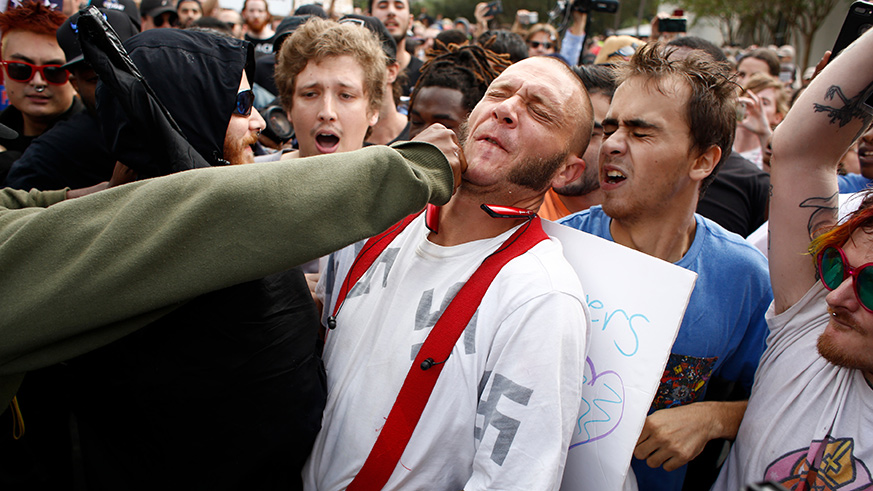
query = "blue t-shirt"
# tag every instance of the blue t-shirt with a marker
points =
(723, 332)
(852, 183)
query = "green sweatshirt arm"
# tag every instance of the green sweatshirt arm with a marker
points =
(84, 272)
(15, 198)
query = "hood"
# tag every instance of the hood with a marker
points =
(195, 75)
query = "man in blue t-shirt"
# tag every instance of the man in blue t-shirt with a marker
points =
(668, 129)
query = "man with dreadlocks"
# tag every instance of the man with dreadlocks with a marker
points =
(451, 83)
(810, 416)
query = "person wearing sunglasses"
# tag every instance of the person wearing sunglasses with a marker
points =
(36, 82)
(245, 336)
(542, 39)
(809, 419)
(158, 14)
(73, 153)
(234, 21)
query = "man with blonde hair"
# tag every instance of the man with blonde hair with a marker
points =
(330, 78)
(765, 104)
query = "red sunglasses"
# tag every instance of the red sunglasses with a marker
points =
(21, 71)
(833, 268)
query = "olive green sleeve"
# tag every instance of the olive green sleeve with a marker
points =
(15, 198)
(83, 272)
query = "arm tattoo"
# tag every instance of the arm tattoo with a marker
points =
(824, 212)
(853, 108)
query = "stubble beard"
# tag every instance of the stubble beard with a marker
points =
(534, 173)
(831, 351)
(588, 183)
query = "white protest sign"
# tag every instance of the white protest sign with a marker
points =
(636, 303)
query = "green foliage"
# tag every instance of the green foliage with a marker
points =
(747, 22)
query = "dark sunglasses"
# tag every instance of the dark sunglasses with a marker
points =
(244, 102)
(537, 44)
(170, 20)
(834, 269)
(24, 72)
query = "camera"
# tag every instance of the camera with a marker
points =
(561, 15)
(494, 8)
(530, 18)
(858, 20)
(608, 6)
(279, 128)
(675, 23)
(672, 25)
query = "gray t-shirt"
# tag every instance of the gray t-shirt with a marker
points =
(806, 418)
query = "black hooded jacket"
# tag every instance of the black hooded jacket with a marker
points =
(227, 391)
(196, 75)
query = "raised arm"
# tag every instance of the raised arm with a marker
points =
(807, 147)
(86, 271)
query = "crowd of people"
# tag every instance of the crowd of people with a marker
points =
(240, 250)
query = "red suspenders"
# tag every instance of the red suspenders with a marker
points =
(423, 374)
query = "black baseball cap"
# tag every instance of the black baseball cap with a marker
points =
(154, 8)
(389, 45)
(126, 6)
(68, 37)
(286, 28)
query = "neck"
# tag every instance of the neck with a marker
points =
(583, 201)
(390, 124)
(667, 238)
(403, 57)
(462, 220)
(33, 126)
(264, 33)
(745, 140)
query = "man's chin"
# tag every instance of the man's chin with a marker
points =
(832, 349)
(240, 155)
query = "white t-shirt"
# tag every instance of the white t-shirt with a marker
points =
(503, 409)
(803, 412)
